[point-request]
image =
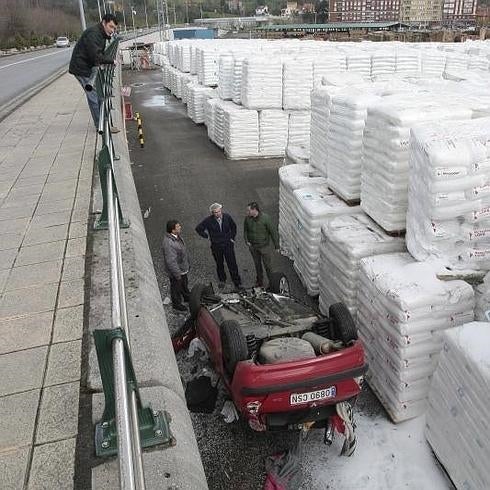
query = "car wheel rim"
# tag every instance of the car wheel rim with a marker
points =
(284, 286)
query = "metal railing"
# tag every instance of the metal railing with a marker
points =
(126, 424)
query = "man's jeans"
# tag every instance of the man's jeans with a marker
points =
(92, 99)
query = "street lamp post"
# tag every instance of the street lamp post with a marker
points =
(82, 15)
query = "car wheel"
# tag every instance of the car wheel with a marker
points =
(234, 345)
(195, 298)
(279, 284)
(343, 323)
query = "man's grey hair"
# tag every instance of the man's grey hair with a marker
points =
(215, 206)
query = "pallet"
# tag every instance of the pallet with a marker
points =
(349, 202)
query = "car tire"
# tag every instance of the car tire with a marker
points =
(279, 284)
(344, 327)
(195, 298)
(234, 345)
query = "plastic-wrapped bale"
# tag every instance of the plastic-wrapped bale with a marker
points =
(296, 155)
(182, 91)
(402, 310)
(346, 123)
(311, 208)
(457, 426)
(383, 63)
(456, 62)
(196, 98)
(192, 80)
(292, 177)
(208, 66)
(237, 79)
(359, 62)
(385, 152)
(408, 62)
(433, 63)
(225, 76)
(478, 63)
(210, 117)
(344, 242)
(299, 128)
(273, 132)
(449, 193)
(297, 82)
(261, 86)
(327, 63)
(220, 108)
(241, 133)
(321, 98)
(482, 299)
(184, 57)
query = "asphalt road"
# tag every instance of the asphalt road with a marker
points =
(177, 175)
(20, 72)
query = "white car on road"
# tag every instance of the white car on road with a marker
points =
(62, 42)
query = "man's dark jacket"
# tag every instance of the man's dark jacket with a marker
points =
(209, 228)
(89, 51)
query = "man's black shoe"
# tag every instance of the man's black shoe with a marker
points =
(180, 308)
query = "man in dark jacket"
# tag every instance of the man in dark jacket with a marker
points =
(259, 233)
(220, 228)
(176, 264)
(88, 54)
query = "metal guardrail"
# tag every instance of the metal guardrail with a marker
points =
(126, 424)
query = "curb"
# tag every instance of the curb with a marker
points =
(11, 106)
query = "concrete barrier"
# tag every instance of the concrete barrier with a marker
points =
(178, 467)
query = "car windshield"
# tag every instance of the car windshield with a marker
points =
(62, 39)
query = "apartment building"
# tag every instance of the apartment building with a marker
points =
(421, 11)
(364, 10)
(459, 9)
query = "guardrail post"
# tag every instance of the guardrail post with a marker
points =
(154, 425)
(104, 165)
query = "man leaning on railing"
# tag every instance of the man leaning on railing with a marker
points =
(87, 55)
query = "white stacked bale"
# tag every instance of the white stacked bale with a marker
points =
(192, 81)
(345, 241)
(482, 299)
(433, 63)
(237, 79)
(456, 62)
(384, 173)
(346, 123)
(383, 63)
(207, 69)
(478, 63)
(273, 132)
(457, 426)
(324, 64)
(402, 309)
(261, 86)
(210, 117)
(297, 83)
(196, 97)
(225, 76)
(408, 62)
(219, 120)
(449, 193)
(184, 57)
(292, 177)
(311, 208)
(295, 155)
(241, 136)
(299, 128)
(359, 62)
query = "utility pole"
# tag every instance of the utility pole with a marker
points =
(124, 17)
(146, 15)
(82, 15)
(100, 12)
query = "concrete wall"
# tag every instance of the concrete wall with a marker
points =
(179, 467)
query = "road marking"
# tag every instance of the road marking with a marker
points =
(30, 59)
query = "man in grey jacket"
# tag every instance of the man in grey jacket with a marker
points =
(176, 264)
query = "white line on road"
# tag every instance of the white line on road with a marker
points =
(30, 59)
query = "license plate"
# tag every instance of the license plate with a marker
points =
(312, 396)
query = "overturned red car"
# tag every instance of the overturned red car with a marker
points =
(284, 366)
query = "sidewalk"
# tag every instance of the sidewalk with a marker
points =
(46, 163)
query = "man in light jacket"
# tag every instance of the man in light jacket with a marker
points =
(176, 264)
(220, 228)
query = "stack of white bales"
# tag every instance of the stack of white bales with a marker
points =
(219, 120)
(209, 116)
(456, 62)
(311, 208)
(196, 97)
(296, 155)
(241, 135)
(383, 63)
(449, 193)
(237, 79)
(345, 241)
(328, 62)
(297, 84)
(207, 67)
(273, 132)
(346, 122)
(482, 299)
(384, 173)
(402, 309)
(292, 177)
(457, 417)
(360, 62)
(225, 76)
(433, 63)
(408, 62)
(299, 128)
(261, 85)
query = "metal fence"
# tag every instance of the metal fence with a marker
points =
(126, 424)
